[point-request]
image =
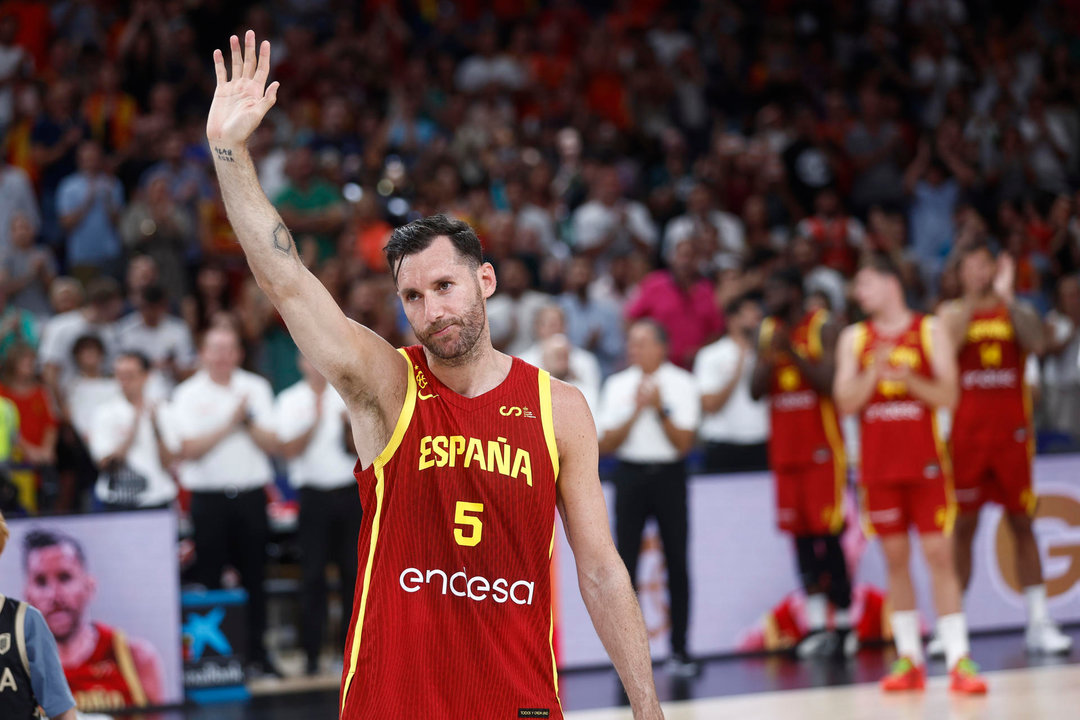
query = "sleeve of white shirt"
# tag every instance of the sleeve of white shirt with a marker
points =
(684, 402)
(288, 419)
(167, 426)
(49, 350)
(177, 416)
(612, 412)
(713, 369)
(106, 433)
(261, 404)
(641, 223)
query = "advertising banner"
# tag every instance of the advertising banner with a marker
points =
(214, 637)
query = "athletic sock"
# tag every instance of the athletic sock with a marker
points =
(817, 610)
(905, 627)
(1038, 612)
(952, 629)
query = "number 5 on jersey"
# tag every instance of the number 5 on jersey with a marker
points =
(470, 535)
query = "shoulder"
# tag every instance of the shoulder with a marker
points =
(676, 375)
(245, 379)
(714, 352)
(142, 651)
(189, 387)
(292, 394)
(570, 413)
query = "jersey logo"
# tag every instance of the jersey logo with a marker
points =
(5, 643)
(507, 411)
(421, 383)
(789, 379)
(990, 354)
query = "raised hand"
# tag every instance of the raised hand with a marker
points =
(1005, 277)
(240, 103)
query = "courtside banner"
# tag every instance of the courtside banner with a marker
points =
(744, 587)
(113, 578)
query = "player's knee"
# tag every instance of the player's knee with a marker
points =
(939, 556)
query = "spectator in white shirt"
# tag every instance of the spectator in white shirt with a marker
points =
(128, 443)
(649, 414)
(703, 219)
(735, 428)
(223, 418)
(163, 338)
(554, 352)
(313, 429)
(512, 310)
(609, 225)
(98, 317)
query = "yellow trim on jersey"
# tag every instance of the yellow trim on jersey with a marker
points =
(768, 326)
(947, 474)
(864, 514)
(404, 420)
(547, 419)
(858, 343)
(926, 338)
(836, 443)
(126, 663)
(813, 335)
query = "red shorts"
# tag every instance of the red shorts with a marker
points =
(891, 508)
(810, 498)
(997, 472)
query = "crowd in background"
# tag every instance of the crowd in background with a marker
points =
(618, 160)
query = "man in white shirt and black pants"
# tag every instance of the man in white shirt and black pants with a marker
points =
(224, 419)
(315, 437)
(648, 418)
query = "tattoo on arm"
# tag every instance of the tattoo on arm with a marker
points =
(223, 154)
(283, 241)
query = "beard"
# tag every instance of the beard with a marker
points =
(460, 347)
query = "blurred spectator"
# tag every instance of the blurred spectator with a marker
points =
(681, 301)
(592, 323)
(609, 225)
(89, 203)
(187, 181)
(90, 387)
(808, 160)
(127, 442)
(816, 277)
(312, 425)
(65, 294)
(223, 420)
(37, 425)
(487, 68)
(554, 352)
(157, 226)
(648, 417)
(17, 326)
(162, 338)
(368, 231)
(17, 199)
(54, 139)
(97, 317)
(27, 270)
(734, 426)
(211, 298)
(1049, 145)
(110, 112)
(142, 272)
(838, 236)
(1061, 366)
(512, 310)
(310, 206)
(15, 66)
(723, 231)
(876, 147)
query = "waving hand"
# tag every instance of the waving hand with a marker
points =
(240, 103)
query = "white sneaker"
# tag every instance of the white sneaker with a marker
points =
(935, 648)
(818, 644)
(851, 643)
(1045, 638)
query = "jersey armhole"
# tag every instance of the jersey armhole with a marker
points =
(858, 343)
(926, 337)
(547, 419)
(20, 636)
(404, 417)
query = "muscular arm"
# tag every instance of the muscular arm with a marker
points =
(852, 388)
(364, 368)
(605, 585)
(955, 317)
(1029, 327)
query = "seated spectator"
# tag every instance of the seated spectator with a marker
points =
(554, 352)
(592, 323)
(608, 224)
(681, 302)
(89, 203)
(310, 206)
(27, 270)
(97, 317)
(17, 326)
(734, 426)
(36, 443)
(16, 198)
(164, 339)
(838, 236)
(65, 294)
(158, 227)
(512, 310)
(702, 217)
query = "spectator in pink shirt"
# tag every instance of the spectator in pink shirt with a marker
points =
(682, 301)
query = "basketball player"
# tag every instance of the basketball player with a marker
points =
(894, 370)
(992, 438)
(795, 368)
(32, 684)
(464, 455)
(105, 669)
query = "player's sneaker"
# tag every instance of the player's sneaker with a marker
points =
(682, 665)
(935, 648)
(905, 675)
(1045, 638)
(849, 642)
(818, 644)
(964, 678)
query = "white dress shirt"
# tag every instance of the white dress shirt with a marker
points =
(647, 442)
(201, 406)
(111, 425)
(742, 420)
(324, 464)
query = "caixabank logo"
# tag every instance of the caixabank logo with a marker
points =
(1057, 531)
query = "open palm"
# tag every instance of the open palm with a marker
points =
(240, 104)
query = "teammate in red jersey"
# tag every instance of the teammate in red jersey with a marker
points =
(795, 368)
(992, 438)
(894, 370)
(464, 455)
(105, 669)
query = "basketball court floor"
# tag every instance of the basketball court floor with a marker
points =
(760, 688)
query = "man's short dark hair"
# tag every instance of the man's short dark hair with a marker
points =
(881, 262)
(418, 235)
(789, 277)
(40, 539)
(736, 304)
(153, 295)
(102, 290)
(87, 341)
(658, 329)
(144, 362)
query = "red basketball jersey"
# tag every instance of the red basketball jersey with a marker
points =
(108, 679)
(804, 429)
(994, 403)
(452, 616)
(899, 435)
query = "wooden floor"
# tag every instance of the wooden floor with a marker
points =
(1048, 693)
